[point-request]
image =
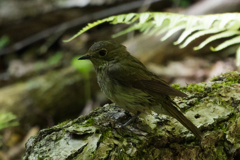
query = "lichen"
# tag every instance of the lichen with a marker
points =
(213, 107)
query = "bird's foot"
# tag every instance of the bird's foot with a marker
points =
(131, 120)
(112, 105)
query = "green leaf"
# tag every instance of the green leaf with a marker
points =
(4, 40)
(227, 43)
(156, 23)
(215, 37)
(129, 17)
(84, 66)
(134, 27)
(55, 59)
(199, 34)
(7, 119)
(186, 33)
(143, 17)
(172, 31)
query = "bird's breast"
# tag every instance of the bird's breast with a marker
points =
(105, 82)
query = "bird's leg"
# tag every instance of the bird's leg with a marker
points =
(132, 119)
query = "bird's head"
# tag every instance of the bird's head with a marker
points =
(104, 52)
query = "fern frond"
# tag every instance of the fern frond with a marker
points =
(156, 23)
(199, 34)
(91, 25)
(225, 34)
(227, 43)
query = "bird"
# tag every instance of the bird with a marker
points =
(130, 85)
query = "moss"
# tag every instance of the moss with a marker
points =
(226, 80)
(190, 87)
(194, 88)
(89, 122)
(40, 158)
(63, 123)
(221, 155)
(106, 134)
(224, 129)
(176, 86)
(135, 136)
(123, 156)
(214, 108)
(231, 76)
(199, 87)
(197, 103)
(233, 118)
(221, 126)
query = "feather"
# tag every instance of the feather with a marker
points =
(136, 75)
(157, 87)
(175, 113)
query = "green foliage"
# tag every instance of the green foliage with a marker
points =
(55, 59)
(195, 87)
(82, 66)
(85, 67)
(51, 62)
(89, 122)
(155, 23)
(231, 77)
(4, 40)
(176, 86)
(225, 79)
(39, 65)
(107, 134)
(7, 119)
(182, 3)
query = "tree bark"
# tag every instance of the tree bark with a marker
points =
(213, 107)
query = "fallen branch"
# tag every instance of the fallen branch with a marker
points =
(213, 107)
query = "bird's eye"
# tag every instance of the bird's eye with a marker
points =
(102, 52)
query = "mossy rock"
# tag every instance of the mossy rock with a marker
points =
(213, 107)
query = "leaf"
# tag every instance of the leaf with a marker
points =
(134, 27)
(91, 25)
(128, 17)
(215, 37)
(83, 66)
(225, 44)
(199, 34)
(4, 40)
(55, 59)
(156, 23)
(172, 31)
(186, 33)
(143, 17)
(7, 119)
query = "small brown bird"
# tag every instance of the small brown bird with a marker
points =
(127, 83)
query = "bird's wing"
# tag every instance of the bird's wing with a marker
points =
(136, 75)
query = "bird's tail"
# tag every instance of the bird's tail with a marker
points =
(175, 113)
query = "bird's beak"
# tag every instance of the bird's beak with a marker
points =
(85, 56)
